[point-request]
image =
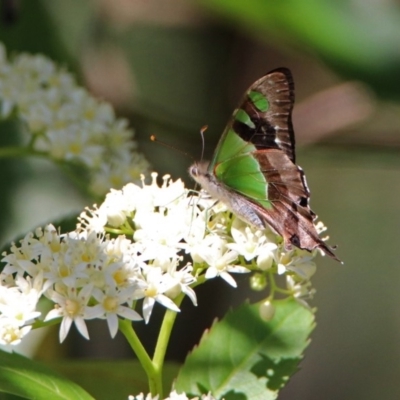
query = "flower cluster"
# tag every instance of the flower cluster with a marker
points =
(172, 396)
(150, 243)
(66, 123)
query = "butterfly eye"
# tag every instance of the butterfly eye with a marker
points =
(194, 170)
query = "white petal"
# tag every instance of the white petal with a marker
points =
(190, 293)
(81, 326)
(148, 304)
(304, 270)
(228, 278)
(211, 273)
(128, 313)
(96, 311)
(237, 269)
(85, 293)
(167, 302)
(65, 327)
(112, 322)
(54, 313)
(281, 269)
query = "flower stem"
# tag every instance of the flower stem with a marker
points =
(163, 339)
(153, 376)
(9, 152)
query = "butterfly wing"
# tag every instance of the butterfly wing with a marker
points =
(264, 117)
(255, 158)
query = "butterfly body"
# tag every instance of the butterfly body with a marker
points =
(253, 170)
(218, 190)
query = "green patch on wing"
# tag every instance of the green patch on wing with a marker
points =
(259, 100)
(237, 169)
(230, 146)
(243, 117)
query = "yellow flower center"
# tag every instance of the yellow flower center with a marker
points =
(86, 257)
(110, 303)
(55, 246)
(72, 307)
(151, 291)
(64, 271)
(11, 335)
(75, 148)
(119, 277)
(250, 247)
(285, 259)
(89, 113)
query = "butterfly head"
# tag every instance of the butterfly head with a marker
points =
(199, 171)
(204, 177)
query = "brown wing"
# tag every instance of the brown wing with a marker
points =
(290, 216)
(271, 126)
(264, 120)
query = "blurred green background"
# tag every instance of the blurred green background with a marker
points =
(172, 67)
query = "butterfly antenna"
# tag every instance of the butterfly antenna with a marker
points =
(154, 139)
(203, 145)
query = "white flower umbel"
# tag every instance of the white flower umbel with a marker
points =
(66, 123)
(172, 396)
(145, 244)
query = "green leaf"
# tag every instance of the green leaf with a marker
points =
(360, 41)
(245, 357)
(113, 379)
(25, 378)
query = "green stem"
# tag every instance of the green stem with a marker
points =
(155, 384)
(163, 339)
(118, 231)
(8, 152)
(274, 287)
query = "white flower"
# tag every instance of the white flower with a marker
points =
(301, 291)
(180, 281)
(151, 289)
(252, 244)
(267, 256)
(175, 396)
(68, 123)
(297, 261)
(11, 333)
(153, 227)
(247, 242)
(110, 306)
(172, 396)
(116, 208)
(123, 168)
(17, 306)
(72, 307)
(28, 250)
(304, 268)
(219, 259)
(208, 396)
(141, 396)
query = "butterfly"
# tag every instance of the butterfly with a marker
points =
(253, 170)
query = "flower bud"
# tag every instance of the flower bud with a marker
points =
(267, 310)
